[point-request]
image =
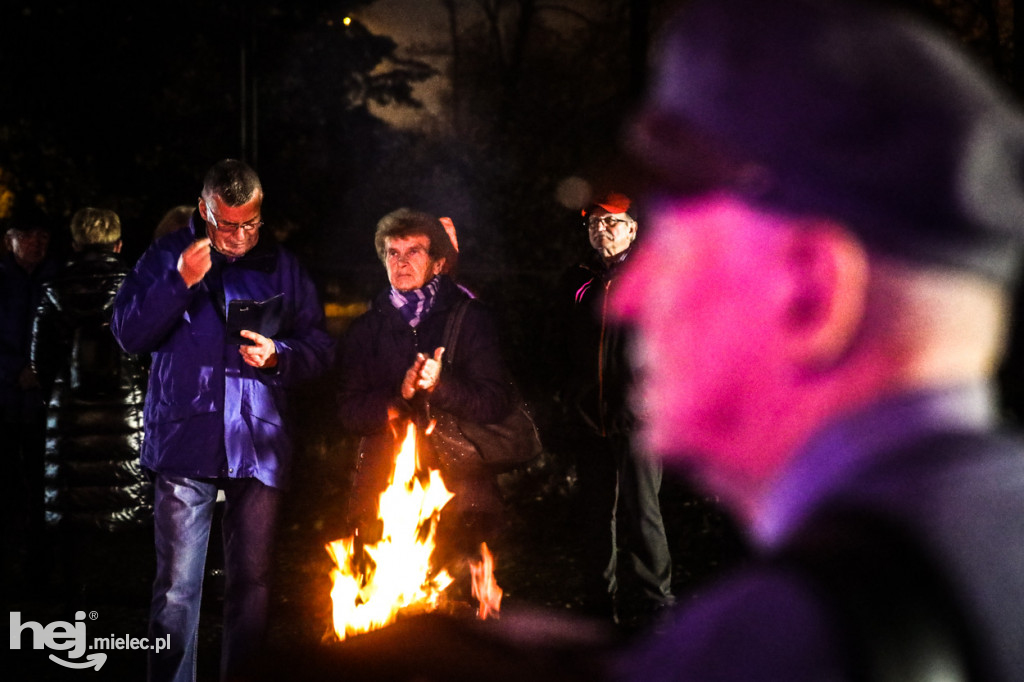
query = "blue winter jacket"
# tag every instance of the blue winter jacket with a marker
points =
(207, 413)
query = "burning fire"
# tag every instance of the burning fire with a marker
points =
(485, 587)
(373, 583)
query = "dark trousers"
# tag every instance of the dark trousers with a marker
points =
(23, 427)
(182, 515)
(624, 534)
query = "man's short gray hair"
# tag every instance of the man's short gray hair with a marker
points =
(233, 181)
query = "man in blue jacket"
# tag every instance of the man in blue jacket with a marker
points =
(215, 407)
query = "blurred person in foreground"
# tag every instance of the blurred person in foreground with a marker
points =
(215, 413)
(391, 371)
(94, 484)
(821, 302)
(618, 487)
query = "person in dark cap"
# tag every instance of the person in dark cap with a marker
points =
(836, 221)
(617, 488)
(24, 267)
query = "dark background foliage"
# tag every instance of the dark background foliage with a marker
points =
(124, 104)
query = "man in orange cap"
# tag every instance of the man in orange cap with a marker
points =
(618, 489)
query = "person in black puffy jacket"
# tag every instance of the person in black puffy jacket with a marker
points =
(93, 480)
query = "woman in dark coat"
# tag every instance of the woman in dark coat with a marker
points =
(391, 371)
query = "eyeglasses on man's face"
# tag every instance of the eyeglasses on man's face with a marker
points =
(231, 228)
(605, 221)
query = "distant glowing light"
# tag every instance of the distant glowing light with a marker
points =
(347, 21)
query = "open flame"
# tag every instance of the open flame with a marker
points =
(485, 587)
(373, 583)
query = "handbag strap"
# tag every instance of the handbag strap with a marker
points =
(452, 328)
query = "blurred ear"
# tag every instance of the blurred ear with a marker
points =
(828, 270)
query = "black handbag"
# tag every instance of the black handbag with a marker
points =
(463, 447)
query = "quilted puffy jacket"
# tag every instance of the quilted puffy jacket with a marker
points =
(94, 414)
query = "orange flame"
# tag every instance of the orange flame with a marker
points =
(485, 587)
(372, 583)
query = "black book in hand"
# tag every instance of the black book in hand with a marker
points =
(262, 317)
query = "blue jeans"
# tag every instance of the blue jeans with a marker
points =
(183, 511)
